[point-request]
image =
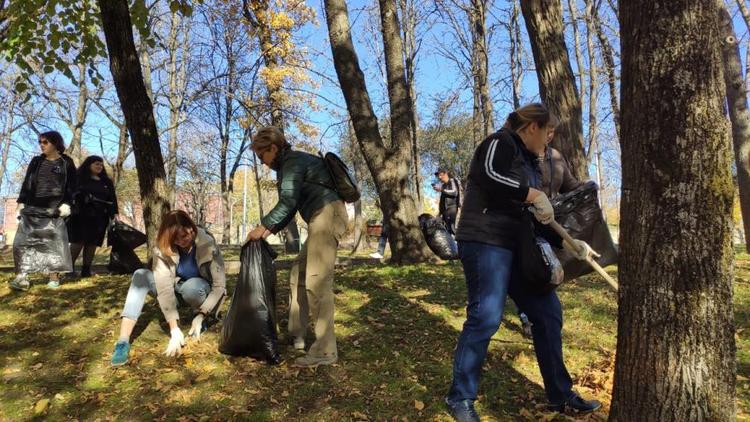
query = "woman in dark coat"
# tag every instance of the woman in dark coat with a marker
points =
(95, 204)
(41, 242)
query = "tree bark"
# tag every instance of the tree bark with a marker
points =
(738, 114)
(573, 9)
(482, 109)
(139, 112)
(7, 136)
(557, 85)
(516, 49)
(122, 153)
(74, 149)
(675, 337)
(389, 166)
(176, 76)
(409, 13)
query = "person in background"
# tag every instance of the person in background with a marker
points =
(187, 267)
(382, 241)
(95, 204)
(47, 188)
(450, 198)
(305, 185)
(504, 180)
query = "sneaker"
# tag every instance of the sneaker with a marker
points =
(576, 404)
(299, 343)
(314, 361)
(376, 255)
(19, 283)
(462, 410)
(53, 284)
(120, 356)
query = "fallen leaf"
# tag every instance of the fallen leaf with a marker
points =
(359, 416)
(41, 406)
(525, 413)
(418, 405)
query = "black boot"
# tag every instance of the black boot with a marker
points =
(86, 271)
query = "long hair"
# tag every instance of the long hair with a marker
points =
(55, 139)
(530, 113)
(84, 170)
(171, 222)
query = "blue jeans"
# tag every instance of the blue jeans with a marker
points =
(192, 291)
(489, 279)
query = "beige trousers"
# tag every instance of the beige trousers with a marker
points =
(311, 279)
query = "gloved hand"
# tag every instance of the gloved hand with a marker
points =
(581, 250)
(196, 327)
(64, 210)
(543, 210)
(175, 343)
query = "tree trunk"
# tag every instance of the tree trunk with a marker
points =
(176, 81)
(7, 136)
(139, 112)
(516, 48)
(359, 234)
(122, 153)
(573, 9)
(738, 115)
(675, 337)
(409, 13)
(482, 109)
(74, 149)
(388, 166)
(609, 66)
(557, 85)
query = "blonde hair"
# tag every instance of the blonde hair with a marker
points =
(530, 113)
(267, 136)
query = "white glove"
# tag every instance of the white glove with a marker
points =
(582, 249)
(543, 210)
(195, 328)
(64, 210)
(175, 343)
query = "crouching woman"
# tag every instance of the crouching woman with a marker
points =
(187, 268)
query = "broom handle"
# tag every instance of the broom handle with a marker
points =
(595, 265)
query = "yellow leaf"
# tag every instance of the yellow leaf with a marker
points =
(359, 416)
(41, 406)
(525, 413)
(418, 405)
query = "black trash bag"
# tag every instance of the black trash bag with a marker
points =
(438, 238)
(249, 327)
(579, 213)
(123, 239)
(535, 262)
(41, 242)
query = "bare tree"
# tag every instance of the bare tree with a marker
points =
(389, 165)
(608, 56)
(675, 335)
(557, 85)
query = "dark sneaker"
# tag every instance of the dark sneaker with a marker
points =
(120, 356)
(576, 405)
(462, 411)
(85, 271)
(19, 283)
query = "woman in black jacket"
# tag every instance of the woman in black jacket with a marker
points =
(95, 204)
(41, 242)
(505, 180)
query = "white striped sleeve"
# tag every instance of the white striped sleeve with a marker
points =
(491, 173)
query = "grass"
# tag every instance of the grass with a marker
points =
(396, 327)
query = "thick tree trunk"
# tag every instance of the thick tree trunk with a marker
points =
(482, 109)
(557, 85)
(389, 166)
(138, 111)
(738, 114)
(409, 14)
(675, 342)
(359, 234)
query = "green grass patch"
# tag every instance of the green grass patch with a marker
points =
(396, 327)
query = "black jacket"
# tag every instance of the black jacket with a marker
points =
(450, 196)
(28, 188)
(500, 174)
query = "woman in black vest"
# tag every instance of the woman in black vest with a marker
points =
(505, 180)
(95, 204)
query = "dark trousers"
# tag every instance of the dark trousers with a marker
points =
(488, 271)
(449, 218)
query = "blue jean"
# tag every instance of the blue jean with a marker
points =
(489, 279)
(192, 291)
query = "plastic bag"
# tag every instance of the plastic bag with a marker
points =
(535, 262)
(438, 238)
(41, 242)
(249, 327)
(123, 239)
(579, 213)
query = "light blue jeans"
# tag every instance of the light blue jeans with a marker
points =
(192, 291)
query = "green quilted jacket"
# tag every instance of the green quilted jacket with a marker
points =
(304, 185)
